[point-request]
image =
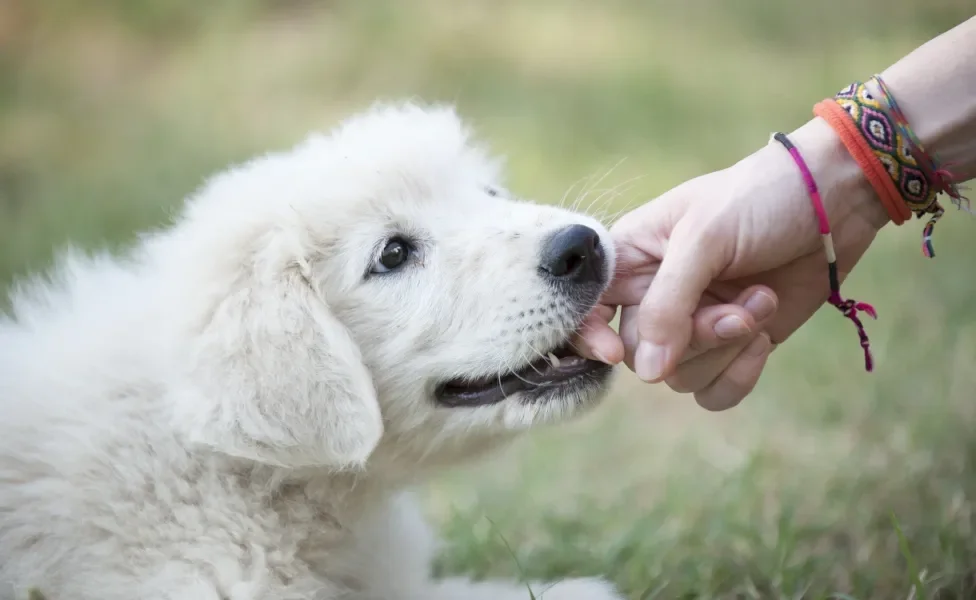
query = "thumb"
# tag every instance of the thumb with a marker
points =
(665, 318)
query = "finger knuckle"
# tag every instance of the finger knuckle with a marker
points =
(717, 400)
(728, 390)
(656, 314)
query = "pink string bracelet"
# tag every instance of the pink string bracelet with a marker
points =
(849, 308)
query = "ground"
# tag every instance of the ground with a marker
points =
(826, 483)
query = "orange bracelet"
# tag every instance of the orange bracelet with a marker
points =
(842, 124)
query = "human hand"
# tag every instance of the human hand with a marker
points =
(719, 238)
(726, 354)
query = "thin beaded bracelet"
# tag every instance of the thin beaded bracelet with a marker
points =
(849, 308)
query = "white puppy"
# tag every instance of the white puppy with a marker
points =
(237, 408)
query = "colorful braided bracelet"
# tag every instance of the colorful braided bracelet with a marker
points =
(876, 132)
(849, 308)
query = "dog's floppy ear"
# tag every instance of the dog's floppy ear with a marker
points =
(277, 378)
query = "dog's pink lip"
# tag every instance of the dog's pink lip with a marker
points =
(539, 375)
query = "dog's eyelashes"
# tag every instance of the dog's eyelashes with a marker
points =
(393, 256)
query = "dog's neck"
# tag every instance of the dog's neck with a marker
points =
(345, 493)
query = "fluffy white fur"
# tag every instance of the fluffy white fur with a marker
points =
(233, 411)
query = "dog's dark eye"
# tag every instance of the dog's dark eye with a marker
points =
(394, 254)
(491, 191)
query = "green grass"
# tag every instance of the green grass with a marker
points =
(826, 483)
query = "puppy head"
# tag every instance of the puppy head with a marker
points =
(380, 282)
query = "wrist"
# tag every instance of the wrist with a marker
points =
(935, 87)
(846, 192)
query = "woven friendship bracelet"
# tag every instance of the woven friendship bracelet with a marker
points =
(849, 308)
(914, 177)
(928, 163)
(872, 167)
(938, 177)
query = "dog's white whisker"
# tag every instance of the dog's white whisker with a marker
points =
(581, 180)
(596, 183)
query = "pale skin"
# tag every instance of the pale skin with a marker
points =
(690, 260)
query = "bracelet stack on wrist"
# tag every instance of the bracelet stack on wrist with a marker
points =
(905, 177)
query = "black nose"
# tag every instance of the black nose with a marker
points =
(574, 254)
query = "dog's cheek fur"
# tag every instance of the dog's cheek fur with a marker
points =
(274, 377)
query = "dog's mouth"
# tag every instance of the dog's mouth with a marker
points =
(560, 371)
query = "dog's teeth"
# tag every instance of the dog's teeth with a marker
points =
(553, 360)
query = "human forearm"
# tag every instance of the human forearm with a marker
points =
(759, 221)
(935, 86)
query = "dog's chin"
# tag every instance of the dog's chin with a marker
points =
(560, 375)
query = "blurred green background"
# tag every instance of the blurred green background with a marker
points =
(111, 111)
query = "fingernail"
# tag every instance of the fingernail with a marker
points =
(600, 357)
(758, 346)
(649, 361)
(730, 327)
(761, 305)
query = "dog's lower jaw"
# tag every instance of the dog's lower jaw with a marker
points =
(546, 410)
(585, 389)
(449, 438)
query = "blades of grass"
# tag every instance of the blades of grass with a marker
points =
(513, 555)
(651, 594)
(909, 559)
